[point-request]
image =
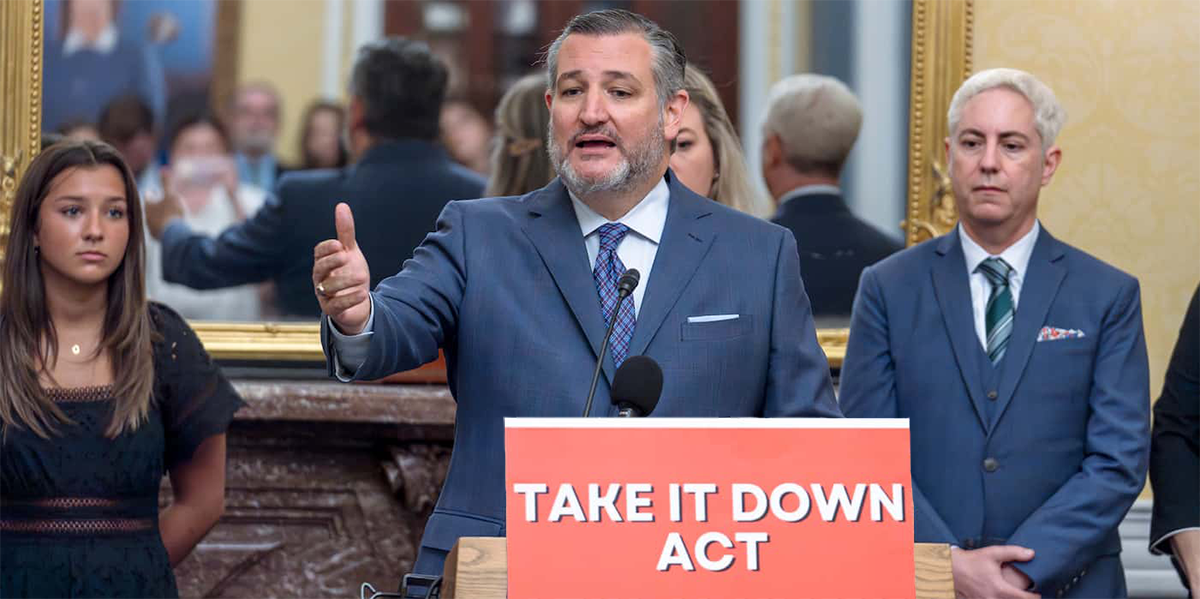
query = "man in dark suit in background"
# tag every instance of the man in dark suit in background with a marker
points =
(811, 125)
(1019, 360)
(401, 181)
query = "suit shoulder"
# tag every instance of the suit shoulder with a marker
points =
(308, 182)
(489, 208)
(869, 235)
(731, 219)
(907, 261)
(1095, 269)
(466, 176)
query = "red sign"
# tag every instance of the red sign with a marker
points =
(740, 507)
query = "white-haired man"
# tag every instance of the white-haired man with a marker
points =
(1019, 360)
(811, 125)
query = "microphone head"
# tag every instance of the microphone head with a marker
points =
(628, 281)
(638, 384)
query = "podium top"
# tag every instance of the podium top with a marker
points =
(709, 423)
(478, 567)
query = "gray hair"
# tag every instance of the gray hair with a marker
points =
(1048, 115)
(817, 118)
(669, 59)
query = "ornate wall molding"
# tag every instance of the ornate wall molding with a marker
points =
(328, 486)
(21, 30)
(942, 39)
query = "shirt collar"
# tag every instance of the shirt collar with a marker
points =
(647, 218)
(808, 190)
(1016, 255)
(103, 44)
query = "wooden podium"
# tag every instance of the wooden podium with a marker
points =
(477, 568)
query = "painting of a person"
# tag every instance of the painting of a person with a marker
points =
(92, 61)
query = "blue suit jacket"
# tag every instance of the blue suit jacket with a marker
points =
(1049, 450)
(396, 190)
(504, 286)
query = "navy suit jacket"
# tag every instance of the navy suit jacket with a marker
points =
(1047, 451)
(504, 286)
(835, 247)
(396, 191)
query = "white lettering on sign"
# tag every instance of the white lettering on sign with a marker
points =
(750, 502)
(530, 491)
(675, 551)
(894, 503)
(838, 497)
(634, 503)
(607, 502)
(701, 491)
(740, 513)
(566, 503)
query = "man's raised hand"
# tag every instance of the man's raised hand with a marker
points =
(341, 277)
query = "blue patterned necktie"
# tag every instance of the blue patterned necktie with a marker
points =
(999, 314)
(606, 272)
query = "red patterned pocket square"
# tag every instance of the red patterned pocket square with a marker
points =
(1055, 334)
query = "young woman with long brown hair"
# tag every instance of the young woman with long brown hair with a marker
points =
(101, 393)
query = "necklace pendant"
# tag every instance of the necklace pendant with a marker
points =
(75, 349)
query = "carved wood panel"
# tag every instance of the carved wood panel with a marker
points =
(314, 508)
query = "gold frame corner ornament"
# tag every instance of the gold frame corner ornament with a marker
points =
(942, 49)
(21, 30)
(941, 60)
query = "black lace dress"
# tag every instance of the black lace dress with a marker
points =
(79, 511)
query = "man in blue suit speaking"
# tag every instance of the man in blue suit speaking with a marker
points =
(1020, 361)
(513, 289)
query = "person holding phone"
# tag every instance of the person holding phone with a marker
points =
(204, 177)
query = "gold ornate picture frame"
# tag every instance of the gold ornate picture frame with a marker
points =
(941, 60)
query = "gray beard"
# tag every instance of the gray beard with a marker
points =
(636, 165)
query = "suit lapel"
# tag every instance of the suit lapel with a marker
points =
(554, 231)
(1039, 288)
(686, 239)
(952, 287)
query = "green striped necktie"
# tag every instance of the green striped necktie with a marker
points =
(999, 315)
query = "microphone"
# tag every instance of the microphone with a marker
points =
(626, 283)
(637, 386)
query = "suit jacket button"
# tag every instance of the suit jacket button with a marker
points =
(991, 465)
(1059, 593)
(992, 394)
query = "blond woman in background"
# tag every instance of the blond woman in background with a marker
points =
(520, 163)
(708, 154)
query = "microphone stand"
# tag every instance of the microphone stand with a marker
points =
(612, 322)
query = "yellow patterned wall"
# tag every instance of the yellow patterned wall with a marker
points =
(1128, 189)
(290, 55)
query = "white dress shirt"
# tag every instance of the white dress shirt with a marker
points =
(810, 190)
(1016, 255)
(646, 222)
(640, 245)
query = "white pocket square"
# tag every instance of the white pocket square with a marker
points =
(712, 318)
